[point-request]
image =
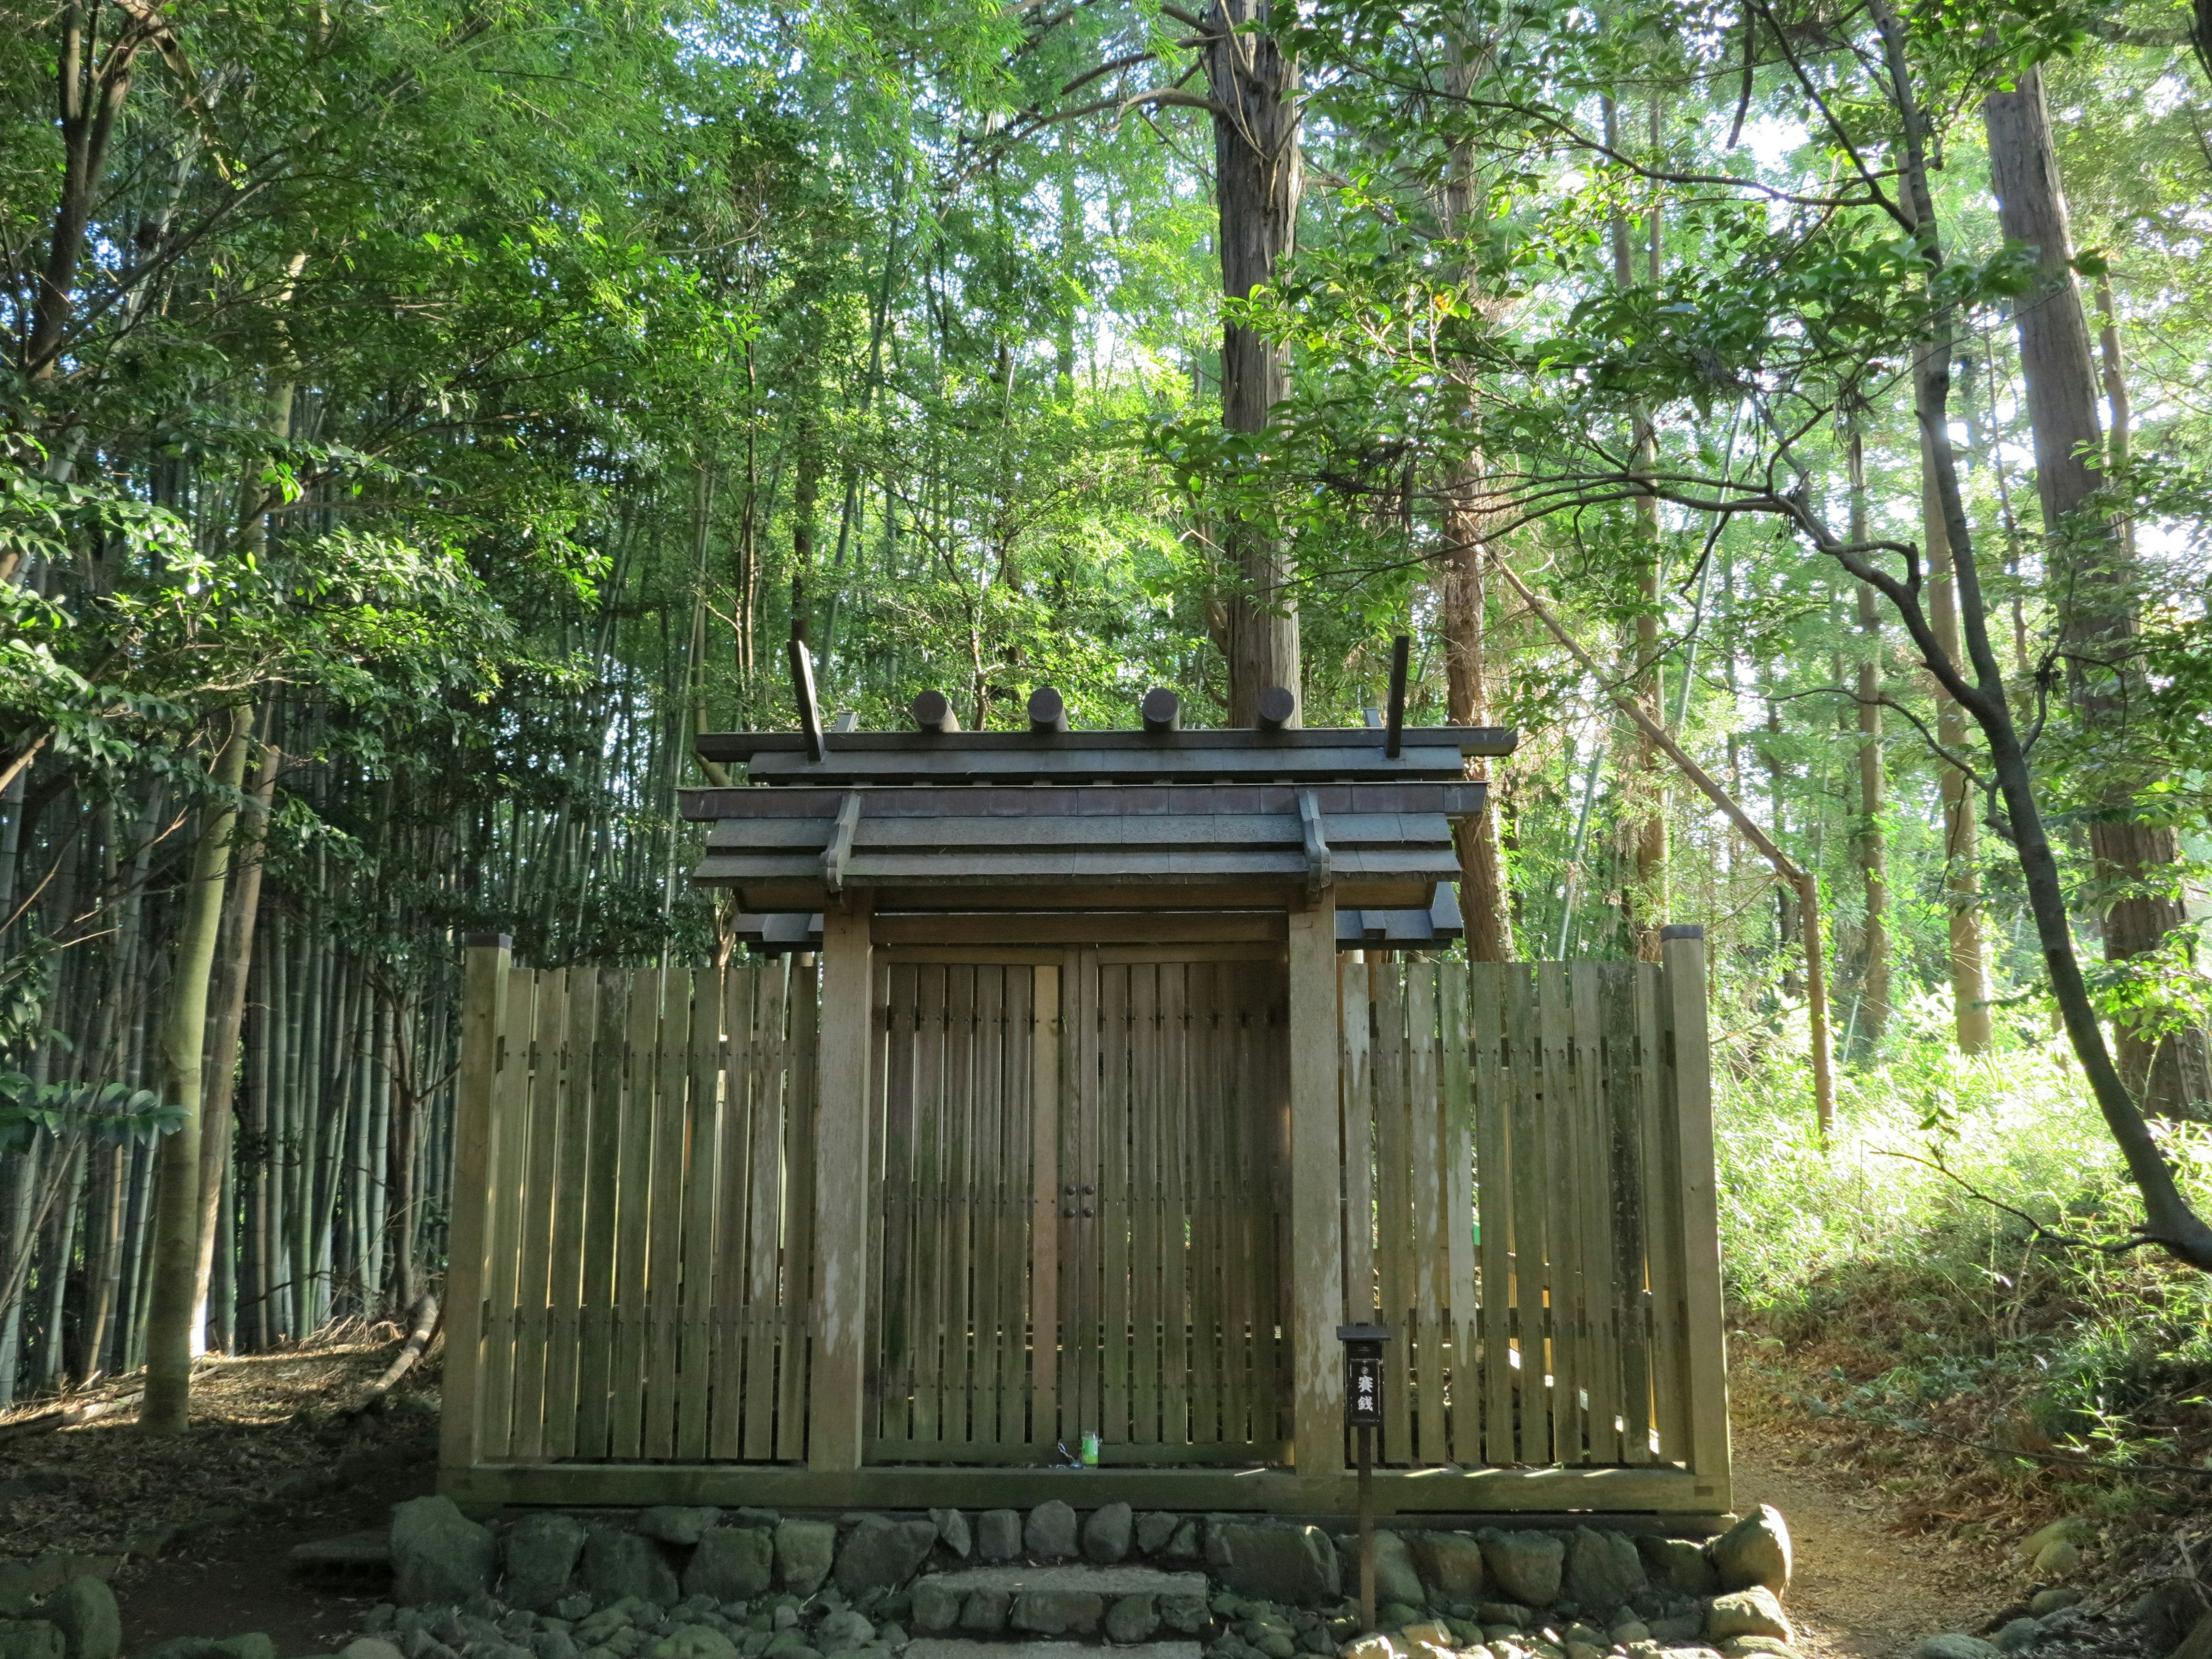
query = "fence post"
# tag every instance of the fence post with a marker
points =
(835, 1409)
(1704, 1333)
(1317, 1190)
(484, 997)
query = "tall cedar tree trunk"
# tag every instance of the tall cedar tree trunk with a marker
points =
(2095, 580)
(182, 1043)
(1482, 884)
(1256, 182)
(233, 974)
(1645, 827)
(1873, 956)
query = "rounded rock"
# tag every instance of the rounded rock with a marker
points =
(1756, 1550)
(1049, 1532)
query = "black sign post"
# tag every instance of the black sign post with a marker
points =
(1363, 1410)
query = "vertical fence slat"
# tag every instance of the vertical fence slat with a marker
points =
(1017, 1111)
(1044, 1050)
(503, 1215)
(956, 1318)
(927, 1267)
(1459, 1215)
(1113, 1201)
(796, 1047)
(740, 988)
(596, 1341)
(484, 990)
(895, 1377)
(633, 1215)
(1393, 1207)
(536, 1210)
(1531, 1192)
(703, 1174)
(1492, 1108)
(664, 1224)
(1706, 1381)
(989, 1163)
(574, 1164)
(762, 1194)
(1147, 1218)
(1424, 1128)
(1632, 1299)
(1591, 1126)
(1175, 1131)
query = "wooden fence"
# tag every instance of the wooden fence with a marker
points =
(1543, 1244)
(641, 1146)
(1078, 1186)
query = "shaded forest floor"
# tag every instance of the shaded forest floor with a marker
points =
(206, 1522)
(1893, 1542)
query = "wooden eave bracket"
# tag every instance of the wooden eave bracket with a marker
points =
(1319, 873)
(839, 850)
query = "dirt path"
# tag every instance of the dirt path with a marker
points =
(1859, 1590)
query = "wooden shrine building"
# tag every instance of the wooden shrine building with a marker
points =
(1127, 1073)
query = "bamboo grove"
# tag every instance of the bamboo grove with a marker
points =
(422, 419)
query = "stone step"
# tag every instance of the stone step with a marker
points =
(1072, 1579)
(935, 1647)
(358, 1556)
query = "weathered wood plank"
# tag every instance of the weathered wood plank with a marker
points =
(799, 1042)
(1015, 1176)
(835, 1401)
(1705, 1332)
(927, 1267)
(1593, 1131)
(1045, 1045)
(1424, 1100)
(1530, 1167)
(633, 1214)
(1317, 1205)
(1555, 1030)
(572, 1179)
(1631, 1300)
(1394, 1207)
(504, 1207)
(898, 1216)
(1209, 1203)
(1462, 1322)
(741, 988)
(956, 1326)
(1172, 1104)
(595, 1353)
(1115, 1037)
(986, 1186)
(484, 976)
(992, 934)
(535, 1212)
(1494, 1186)
(701, 1247)
(762, 1195)
(665, 1226)
(1147, 1224)
(1081, 1266)
(1359, 1111)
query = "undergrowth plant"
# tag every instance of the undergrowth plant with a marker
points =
(1944, 1285)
